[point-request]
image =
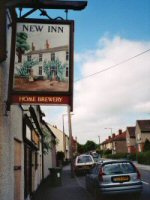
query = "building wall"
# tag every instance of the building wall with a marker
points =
(16, 132)
(120, 146)
(59, 135)
(141, 137)
(6, 138)
(131, 143)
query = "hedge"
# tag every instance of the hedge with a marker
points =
(144, 158)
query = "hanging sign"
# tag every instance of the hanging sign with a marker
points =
(41, 70)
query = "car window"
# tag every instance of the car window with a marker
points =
(84, 159)
(118, 168)
(95, 170)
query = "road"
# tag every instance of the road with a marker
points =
(74, 188)
(145, 178)
(146, 184)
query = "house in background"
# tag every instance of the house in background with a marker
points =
(119, 143)
(130, 139)
(142, 132)
(49, 148)
(60, 138)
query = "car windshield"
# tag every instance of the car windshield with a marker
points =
(118, 168)
(84, 159)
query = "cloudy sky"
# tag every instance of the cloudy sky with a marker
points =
(112, 69)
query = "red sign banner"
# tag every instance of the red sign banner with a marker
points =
(32, 99)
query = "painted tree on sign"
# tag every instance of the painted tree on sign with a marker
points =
(21, 44)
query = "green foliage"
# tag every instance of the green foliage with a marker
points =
(117, 156)
(107, 152)
(90, 145)
(56, 64)
(60, 155)
(80, 148)
(87, 147)
(48, 143)
(24, 70)
(147, 145)
(21, 42)
(144, 158)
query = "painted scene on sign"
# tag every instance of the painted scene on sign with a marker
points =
(42, 57)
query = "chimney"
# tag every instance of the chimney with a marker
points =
(33, 47)
(113, 135)
(47, 44)
(120, 131)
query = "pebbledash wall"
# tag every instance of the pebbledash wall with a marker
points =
(6, 137)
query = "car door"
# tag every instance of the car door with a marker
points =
(94, 177)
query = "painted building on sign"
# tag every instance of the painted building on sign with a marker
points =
(49, 63)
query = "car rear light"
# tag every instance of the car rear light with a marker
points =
(138, 173)
(101, 174)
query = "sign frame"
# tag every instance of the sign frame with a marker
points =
(61, 97)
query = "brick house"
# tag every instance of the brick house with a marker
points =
(130, 139)
(142, 132)
(119, 143)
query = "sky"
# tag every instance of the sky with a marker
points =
(111, 69)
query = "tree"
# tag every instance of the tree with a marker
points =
(80, 148)
(21, 44)
(147, 145)
(90, 145)
(26, 67)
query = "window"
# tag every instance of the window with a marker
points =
(118, 168)
(28, 57)
(67, 55)
(84, 159)
(40, 70)
(52, 56)
(40, 57)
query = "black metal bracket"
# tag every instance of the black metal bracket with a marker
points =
(43, 13)
(41, 5)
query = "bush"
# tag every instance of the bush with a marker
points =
(144, 158)
(147, 145)
(60, 155)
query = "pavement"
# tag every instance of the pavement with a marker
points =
(140, 166)
(68, 189)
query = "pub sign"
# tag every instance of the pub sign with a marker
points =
(41, 70)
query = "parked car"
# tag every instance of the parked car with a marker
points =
(110, 178)
(96, 157)
(83, 163)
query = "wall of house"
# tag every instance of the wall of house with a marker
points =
(18, 152)
(145, 136)
(59, 135)
(47, 162)
(120, 146)
(138, 133)
(109, 146)
(6, 138)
